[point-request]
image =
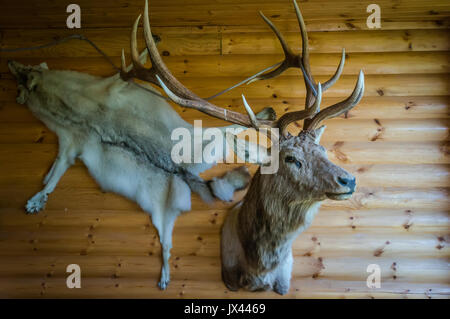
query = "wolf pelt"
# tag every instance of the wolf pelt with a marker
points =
(122, 134)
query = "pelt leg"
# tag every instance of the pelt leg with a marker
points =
(283, 279)
(50, 173)
(164, 225)
(61, 164)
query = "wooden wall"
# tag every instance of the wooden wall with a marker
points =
(395, 141)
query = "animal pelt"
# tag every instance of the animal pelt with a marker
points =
(122, 133)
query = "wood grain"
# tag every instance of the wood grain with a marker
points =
(395, 142)
(349, 14)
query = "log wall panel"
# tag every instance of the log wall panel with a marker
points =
(212, 42)
(349, 14)
(188, 66)
(346, 130)
(292, 86)
(395, 142)
(385, 107)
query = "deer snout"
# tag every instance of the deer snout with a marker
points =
(347, 182)
(344, 186)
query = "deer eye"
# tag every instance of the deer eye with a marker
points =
(290, 159)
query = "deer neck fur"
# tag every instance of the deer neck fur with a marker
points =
(266, 236)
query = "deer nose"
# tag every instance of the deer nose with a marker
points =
(350, 183)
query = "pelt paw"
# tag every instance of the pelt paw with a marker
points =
(165, 279)
(36, 203)
(281, 289)
(162, 284)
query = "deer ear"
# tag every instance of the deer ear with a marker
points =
(317, 133)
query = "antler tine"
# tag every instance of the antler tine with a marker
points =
(290, 59)
(133, 46)
(123, 62)
(286, 49)
(326, 85)
(250, 113)
(149, 41)
(304, 33)
(138, 71)
(341, 107)
(309, 79)
(272, 74)
(316, 106)
(307, 113)
(336, 75)
(158, 64)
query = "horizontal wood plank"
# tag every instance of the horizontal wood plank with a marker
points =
(337, 129)
(395, 142)
(187, 66)
(385, 107)
(288, 87)
(400, 220)
(237, 13)
(208, 43)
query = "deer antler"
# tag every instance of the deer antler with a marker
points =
(340, 107)
(292, 60)
(161, 76)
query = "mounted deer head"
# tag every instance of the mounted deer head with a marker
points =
(258, 233)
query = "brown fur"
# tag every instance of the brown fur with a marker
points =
(258, 233)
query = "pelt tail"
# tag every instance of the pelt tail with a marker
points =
(199, 186)
(222, 188)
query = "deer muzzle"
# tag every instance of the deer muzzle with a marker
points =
(348, 186)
